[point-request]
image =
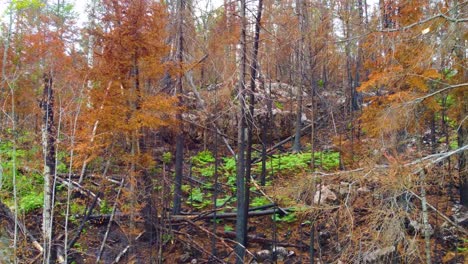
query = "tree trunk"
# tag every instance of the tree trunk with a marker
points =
(250, 123)
(300, 60)
(179, 158)
(48, 148)
(241, 217)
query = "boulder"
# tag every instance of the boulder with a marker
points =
(325, 195)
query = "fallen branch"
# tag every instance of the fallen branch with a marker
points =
(124, 251)
(196, 217)
(461, 229)
(82, 224)
(80, 188)
(9, 216)
(230, 214)
(101, 249)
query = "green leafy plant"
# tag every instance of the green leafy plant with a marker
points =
(203, 157)
(105, 208)
(288, 218)
(279, 105)
(167, 157)
(225, 200)
(203, 164)
(31, 202)
(228, 228)
(295, 162)
(259, 201)
(198, 199)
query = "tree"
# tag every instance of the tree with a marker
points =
(179, 166)
(126, 101)
(241, 218)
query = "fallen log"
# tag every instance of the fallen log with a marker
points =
(83, 221)
(6, 212)
(80, 188)
(196, 217)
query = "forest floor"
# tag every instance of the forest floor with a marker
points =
(356, 215)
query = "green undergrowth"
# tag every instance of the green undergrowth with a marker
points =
(28, 184)
(203, 167)
(296, 162)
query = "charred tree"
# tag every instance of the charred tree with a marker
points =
(241, 216)
(179, 158)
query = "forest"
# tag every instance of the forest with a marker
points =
(248, 131)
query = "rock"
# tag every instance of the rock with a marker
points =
(278, 253)
(263, 255)
(324, 195)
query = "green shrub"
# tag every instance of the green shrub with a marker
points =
(259, 201)
(30, 202)
(295, 162)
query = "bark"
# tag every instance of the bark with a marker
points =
(197, 217)
(462, 157)
(179, 158)
(250, 123)
(48, 147)
(459, 48)
(425, 216)
(301, 68)
(241, 217)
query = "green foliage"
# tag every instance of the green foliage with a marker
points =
(202, 158)
(229, 165)
(449, 73)
(167, 157)
(30, 202)
(105, 208)
(288, 218)
(197, 195)
(279, 105)
(259, 201)
(198, 199)
(328, 160)
(228, 228)
(77, 208)
(167, 237)
(18, 5)
(185, 188)
(321, 83)
(295, 162)
(207, 171)
(225, 200)
(462, 249)
(62, 164)
(202, 164)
